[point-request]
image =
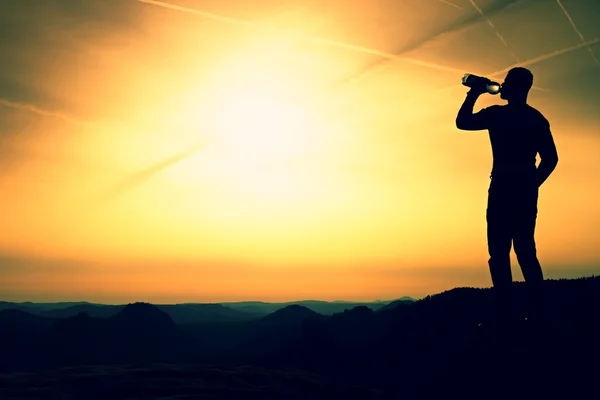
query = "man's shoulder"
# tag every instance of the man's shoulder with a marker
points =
(537, 114)
(527, 113)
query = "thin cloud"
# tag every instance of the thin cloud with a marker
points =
(564, 10)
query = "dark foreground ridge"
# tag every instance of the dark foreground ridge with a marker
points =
(434, 348)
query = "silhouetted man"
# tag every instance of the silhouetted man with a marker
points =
(518, 132)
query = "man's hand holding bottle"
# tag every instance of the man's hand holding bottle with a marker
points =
(480, 85)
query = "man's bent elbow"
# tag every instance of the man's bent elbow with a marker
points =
(553, 161)
(469, 123)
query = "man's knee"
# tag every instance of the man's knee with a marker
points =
(526, 252)
(527, 259)
(530, 266)
(499, 259)
(525, 245)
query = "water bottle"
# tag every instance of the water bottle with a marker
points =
(470, 80)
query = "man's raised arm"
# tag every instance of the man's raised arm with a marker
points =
(466, 120)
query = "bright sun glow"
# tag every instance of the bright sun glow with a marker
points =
(258, 125)
(258, 134)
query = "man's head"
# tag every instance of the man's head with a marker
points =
(516, 85)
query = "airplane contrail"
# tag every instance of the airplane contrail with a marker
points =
(456, 27)
(378, 66)
(144, 175)
(564, 10)
(450, 4)
(491, 24)
(316, 39)
(547, 56)
(531, 61)
(208, 15)
(131, 181)
(147, 173)
(39, 111)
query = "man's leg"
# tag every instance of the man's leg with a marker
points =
(499, 245)
(525, 249)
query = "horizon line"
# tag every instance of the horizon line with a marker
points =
(415, 298)
(214, 302)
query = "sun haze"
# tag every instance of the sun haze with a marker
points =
(216, 150)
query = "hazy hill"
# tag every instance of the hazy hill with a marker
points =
(139, 332)
(207, 313)
(190, 313)
(402, 302)
(321, 307)
(290, 315)
(38, 307)
(93, 310)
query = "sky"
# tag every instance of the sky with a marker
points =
(205, 151)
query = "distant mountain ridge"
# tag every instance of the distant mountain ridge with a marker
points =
(319, 306)
(188, 313)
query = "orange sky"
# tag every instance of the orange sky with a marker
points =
(304, 186)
